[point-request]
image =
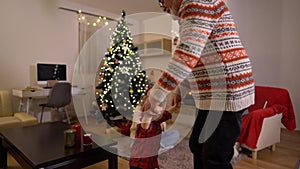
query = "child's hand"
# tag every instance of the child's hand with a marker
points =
(155, 111)
(149, 103)
(173, 108)
(158, 109)
(150, 115)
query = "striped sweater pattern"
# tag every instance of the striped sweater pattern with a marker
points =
(211, 57)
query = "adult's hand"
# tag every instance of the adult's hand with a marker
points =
(150, 104)
(176, 100)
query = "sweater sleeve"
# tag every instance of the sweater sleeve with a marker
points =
(197, 20)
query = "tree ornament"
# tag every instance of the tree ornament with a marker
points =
(126, 48)
(103, 107)
(131, 91)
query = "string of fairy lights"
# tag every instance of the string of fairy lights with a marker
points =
(90, 19)
(99, 20)
(96, 22)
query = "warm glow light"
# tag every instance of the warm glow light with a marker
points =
(120, 53)
(95, 22)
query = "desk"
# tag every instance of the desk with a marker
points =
(47, 148)
(29, 93)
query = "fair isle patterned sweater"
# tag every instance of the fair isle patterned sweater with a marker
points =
(211, 57)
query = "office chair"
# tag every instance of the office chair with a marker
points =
(51, 83)
(59, 97)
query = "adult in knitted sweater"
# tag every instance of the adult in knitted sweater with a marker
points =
(212, 59)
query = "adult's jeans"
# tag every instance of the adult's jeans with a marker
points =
(215, 150)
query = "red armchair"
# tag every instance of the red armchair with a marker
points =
(262, 125)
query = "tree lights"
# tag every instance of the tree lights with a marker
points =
(121, 82)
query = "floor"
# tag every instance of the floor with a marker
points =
(182, 122)
(285, 157)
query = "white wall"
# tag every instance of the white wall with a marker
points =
(269, 30)
(290, 57)
(34, 31)
(261, 34)
(158, 27)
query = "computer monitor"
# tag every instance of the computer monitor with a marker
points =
(47, 71)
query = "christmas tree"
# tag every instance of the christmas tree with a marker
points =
(121, 81)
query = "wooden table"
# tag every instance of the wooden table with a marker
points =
(42, 146)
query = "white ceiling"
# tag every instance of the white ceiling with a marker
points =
(116, 6)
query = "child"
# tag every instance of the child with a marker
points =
(146, 131)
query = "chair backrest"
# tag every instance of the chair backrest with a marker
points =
(6, 105)
(60, 95)
(51, 83)
(273, 95)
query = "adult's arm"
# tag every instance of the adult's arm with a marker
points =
(195, 29)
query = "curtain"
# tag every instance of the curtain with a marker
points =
(93, 42)
(88, 25)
